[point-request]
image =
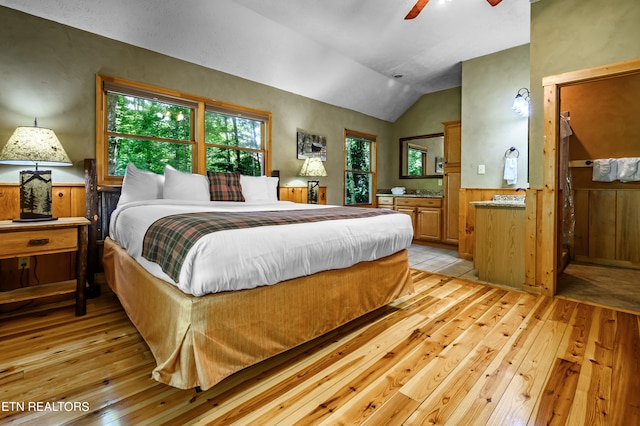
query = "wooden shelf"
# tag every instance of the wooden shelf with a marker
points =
(38, 292)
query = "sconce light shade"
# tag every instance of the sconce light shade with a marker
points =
(34, 146)
(521, 102)
(313, 167)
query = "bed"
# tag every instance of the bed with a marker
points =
(203, 325)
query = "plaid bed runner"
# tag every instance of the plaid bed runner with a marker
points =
(168, 239)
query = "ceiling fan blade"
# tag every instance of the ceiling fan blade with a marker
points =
(420, 4)
(494, 2)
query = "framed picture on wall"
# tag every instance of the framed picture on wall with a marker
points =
(310, 145)
(439, 165)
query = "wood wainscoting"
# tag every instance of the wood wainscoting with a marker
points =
(68, 200)
(467, 215)
(607, 228)
(533, 241)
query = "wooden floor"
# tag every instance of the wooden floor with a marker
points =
(455, 352)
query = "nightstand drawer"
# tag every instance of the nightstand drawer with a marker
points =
(25, 243)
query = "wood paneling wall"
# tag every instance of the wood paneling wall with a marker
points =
(467, 215)
(68, 200)
(607, 227)
(533, 238)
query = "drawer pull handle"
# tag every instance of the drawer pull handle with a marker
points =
(39, 242)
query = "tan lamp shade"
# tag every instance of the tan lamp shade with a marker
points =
(34, 145)
(37, 146)
(313, 167)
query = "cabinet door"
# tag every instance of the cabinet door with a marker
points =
(452, 143)
(452, 217)
(428, 225)
(411, 212)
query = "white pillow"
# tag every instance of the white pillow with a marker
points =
(272, 188)
(140, 185)
(259, 188)
(185, 186)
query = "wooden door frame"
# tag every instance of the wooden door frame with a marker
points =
(548, 221)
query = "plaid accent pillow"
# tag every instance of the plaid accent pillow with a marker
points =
(225, 186)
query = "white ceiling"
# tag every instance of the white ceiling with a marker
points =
(342, 52)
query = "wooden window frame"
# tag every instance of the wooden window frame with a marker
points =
(373, 163)
(200, 105)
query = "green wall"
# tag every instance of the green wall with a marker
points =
(570, 35)
(47, 70)
(424, 117)
(489, 124)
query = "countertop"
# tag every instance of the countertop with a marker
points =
(490, 203)
(511, 201)
(409, 195)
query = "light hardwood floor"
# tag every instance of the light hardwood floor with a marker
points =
(454, 352)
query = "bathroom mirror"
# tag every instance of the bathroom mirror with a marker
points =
(422, 156)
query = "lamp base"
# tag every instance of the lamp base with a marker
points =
(312, 191)
(35, 196)
(35, 219)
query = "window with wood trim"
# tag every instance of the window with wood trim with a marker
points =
(152, 127)
(359, 169)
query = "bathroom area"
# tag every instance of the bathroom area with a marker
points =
(598, 254)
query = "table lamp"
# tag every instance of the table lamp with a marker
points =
(40, 147)
(313, 167)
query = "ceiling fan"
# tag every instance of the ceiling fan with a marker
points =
(420, 4)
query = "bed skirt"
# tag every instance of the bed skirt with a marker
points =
(199, 341)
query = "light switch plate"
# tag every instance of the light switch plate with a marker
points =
(480, 169)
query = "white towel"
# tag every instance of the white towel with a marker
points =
(605, 170)
(628, 169)
(511, 170)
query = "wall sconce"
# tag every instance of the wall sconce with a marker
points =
(34, 146)
(521, 102)
(313, 167)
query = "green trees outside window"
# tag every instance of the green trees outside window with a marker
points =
(359, 167)
(233, 144)
(416, 162)
(153, 127)
(148, 133)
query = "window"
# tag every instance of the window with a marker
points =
(152, 127)
(234, 142)
(359, 170)
(417, 160)
(148, 132)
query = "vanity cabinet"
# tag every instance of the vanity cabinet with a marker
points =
(452, 168)
(428, 224)
(426, 214)
(499, 251)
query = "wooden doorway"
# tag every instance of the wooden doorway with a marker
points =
(550, 263)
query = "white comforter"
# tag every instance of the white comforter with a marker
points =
(247, 258)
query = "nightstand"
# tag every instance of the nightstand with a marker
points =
(67, 234)
(298, 194)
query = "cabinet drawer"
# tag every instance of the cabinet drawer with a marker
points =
(385, 201)
(25, 243)
(418, 202)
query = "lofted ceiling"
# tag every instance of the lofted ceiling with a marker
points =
(342, 52)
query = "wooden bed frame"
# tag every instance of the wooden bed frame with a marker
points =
(199, 341)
